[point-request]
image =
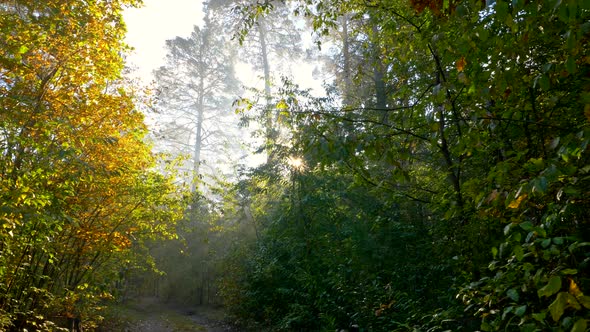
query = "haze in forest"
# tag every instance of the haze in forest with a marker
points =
(149, 26)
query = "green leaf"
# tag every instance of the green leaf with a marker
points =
(520, 310)
(570, 65)
(539, 316)
(527, 225)
(546, 68)
(545, 243)
(541, 232)
(572, 302)
(567, 321)
(507, 228)
(557, 307)
(23, 49)
(434, 127)
(461, 10)
(516, 237)
(483, 34)
(580, 325)
(501, 10)
(551, 288)
(544, 82)
(507, 310)
(518, 252)
(554, 143)
(571, 190)
(513, 294)
(573, 9)
(528, 328)
(563, 13)
(569, 271)
(517, 4)
(584, 301)
(540, 184)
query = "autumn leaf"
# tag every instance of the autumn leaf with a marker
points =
(574, 289)
(516, 203)
(461, 64)
(282, 105)
(82, 174)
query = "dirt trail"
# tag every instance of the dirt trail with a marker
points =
(150, 315)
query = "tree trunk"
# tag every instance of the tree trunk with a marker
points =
(270, 133)
(379, 74)
(346, 62)
(200, 110)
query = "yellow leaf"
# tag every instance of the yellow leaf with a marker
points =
(282, 105)
(574, 289)
(516, 203)
(461, 64)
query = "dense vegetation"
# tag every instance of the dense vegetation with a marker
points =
(444, 179)
(441, 183)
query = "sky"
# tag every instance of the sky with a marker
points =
(156, 21)
(150, 26)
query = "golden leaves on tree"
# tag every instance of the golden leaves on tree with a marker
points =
(76, 177)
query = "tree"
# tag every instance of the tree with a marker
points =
(273, 41)
(196, 88)
(77, 189)
(482, 145)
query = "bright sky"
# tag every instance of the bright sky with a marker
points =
(150, 26)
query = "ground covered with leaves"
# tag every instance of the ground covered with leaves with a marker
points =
(149, 314)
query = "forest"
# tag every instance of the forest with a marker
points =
(439, 181)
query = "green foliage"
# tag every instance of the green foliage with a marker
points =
(330, 256)
(472, 180)
(535, 282)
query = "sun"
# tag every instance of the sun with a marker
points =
(296, 163)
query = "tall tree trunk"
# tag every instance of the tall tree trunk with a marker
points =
(200, 107)
(346, 61)
(378, 73)
(197, 145)
(270, 133)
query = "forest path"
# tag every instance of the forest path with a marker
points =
(149, 314)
